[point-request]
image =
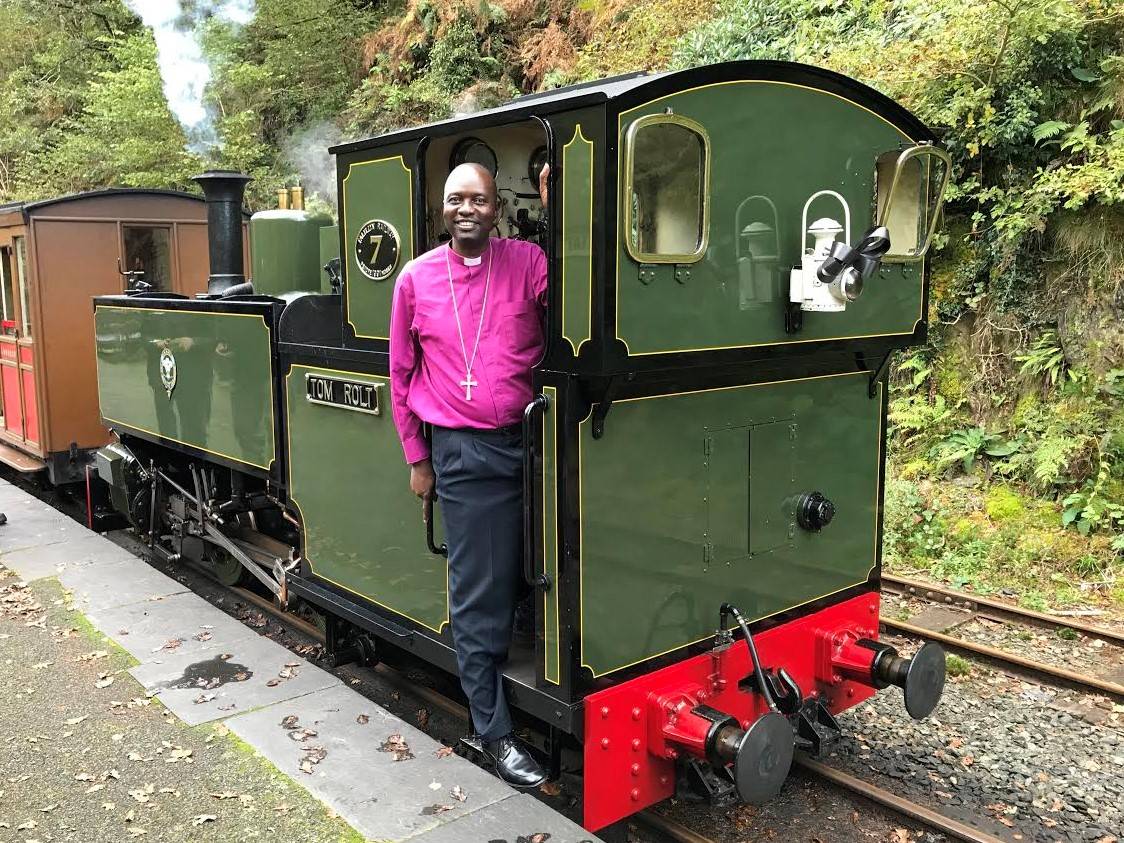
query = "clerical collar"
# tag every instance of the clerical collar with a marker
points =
(463, 261)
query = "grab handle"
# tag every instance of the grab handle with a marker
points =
(537, 407)
(443, 549)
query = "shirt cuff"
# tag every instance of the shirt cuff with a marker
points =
(416, 449)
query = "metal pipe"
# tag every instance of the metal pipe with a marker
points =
(223, 190)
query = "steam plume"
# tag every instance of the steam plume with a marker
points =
(176, 27)
(307, 152)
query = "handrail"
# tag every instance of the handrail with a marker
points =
(435, 549)
(537, 407)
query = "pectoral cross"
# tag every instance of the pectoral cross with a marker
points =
(468, 383)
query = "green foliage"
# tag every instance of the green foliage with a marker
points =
(967, 446)
(1045, 358)
(957, 666)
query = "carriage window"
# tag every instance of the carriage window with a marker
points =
(7, 292)
(148, 249)
(20, 245)
(910, 186)
(667, 166)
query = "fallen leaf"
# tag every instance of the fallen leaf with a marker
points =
(458, 793)
(363, 719)
(422, 717)
(94, 788)
(137, 832)
(49, 808)
(74, 721)
(225, 794)
(289, 721)
(397, 745)
(551, 788)
(27, 826)
(899, 835)
(273, 682)
(204, 698)
(443, 752)
(104, 682)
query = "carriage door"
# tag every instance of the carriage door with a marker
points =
(17, 377)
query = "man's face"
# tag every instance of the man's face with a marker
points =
(470, 208)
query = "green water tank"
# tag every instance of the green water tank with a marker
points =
(285, 246)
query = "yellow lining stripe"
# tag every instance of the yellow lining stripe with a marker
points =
(304, 521)
(272, 397)
(589, 239)
(552, 393)
(581, 516)
(343, 212)
(620, 165)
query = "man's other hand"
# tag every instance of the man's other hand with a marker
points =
(422, 481)
(544, 182)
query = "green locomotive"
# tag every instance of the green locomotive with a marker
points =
(735, 253)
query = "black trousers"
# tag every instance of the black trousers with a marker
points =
(480, 496)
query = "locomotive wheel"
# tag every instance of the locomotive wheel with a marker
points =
(764, 758)
(226, 568)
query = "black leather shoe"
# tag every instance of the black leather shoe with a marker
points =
(514, 764)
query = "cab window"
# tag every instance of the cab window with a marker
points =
(666, 208)
(909, 186)
(7, 292)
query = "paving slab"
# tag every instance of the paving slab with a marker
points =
(520, 818)
(384, 799)
(31, 523)
(230, 681)
(149, 630)
(49, 560)
(117, 584)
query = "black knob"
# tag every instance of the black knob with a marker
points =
(814, 511)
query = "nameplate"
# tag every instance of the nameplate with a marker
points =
(343, 392)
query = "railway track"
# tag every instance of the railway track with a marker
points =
(664, 825)
(999, 612)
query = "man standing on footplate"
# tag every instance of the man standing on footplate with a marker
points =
(465, 332)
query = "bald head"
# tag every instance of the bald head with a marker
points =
(470, 175)
(470, 208)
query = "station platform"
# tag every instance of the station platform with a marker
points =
(207, 668)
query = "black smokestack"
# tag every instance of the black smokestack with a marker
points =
(223, 190)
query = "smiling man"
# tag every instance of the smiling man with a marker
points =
(465, 331)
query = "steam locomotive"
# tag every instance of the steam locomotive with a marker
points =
(735, 253)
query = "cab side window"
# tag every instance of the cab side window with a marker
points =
(909, 184)
(148, 249)
(667, 166)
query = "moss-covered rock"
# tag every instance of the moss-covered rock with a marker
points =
(1003, 504)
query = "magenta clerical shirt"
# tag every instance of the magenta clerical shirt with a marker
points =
(426, 362)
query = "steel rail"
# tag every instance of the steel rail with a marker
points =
(936, 821)
(997, 609)
(1058, 674)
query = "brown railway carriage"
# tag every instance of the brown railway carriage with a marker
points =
(55, 256)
